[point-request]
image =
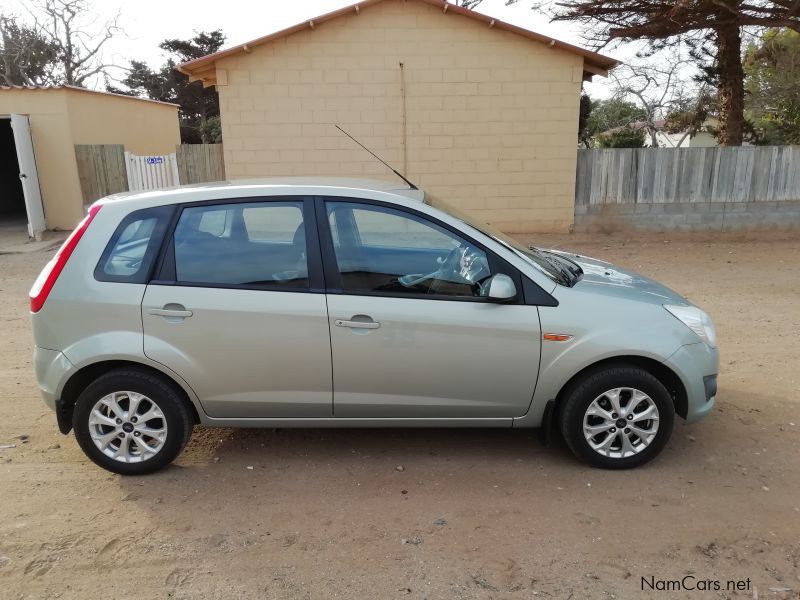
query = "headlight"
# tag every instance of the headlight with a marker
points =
(696, 320)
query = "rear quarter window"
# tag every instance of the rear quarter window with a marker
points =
(132, 249)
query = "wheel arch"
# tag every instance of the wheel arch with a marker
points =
(79, 380)
(668, 378)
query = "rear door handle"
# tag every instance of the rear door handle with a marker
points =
(169, 312)
(357, 324)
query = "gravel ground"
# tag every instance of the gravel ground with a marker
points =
(433, 513)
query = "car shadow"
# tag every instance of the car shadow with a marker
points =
(276, 482)
(413, 444)
(228, 468)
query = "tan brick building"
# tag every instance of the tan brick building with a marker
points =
(58, 118)
(478, 112)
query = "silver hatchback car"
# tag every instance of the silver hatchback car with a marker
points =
(343, 303)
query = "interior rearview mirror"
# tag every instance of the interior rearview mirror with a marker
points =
(499, 287)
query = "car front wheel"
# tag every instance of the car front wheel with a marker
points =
(131, 422)
(617, 417)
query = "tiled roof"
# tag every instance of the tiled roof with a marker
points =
(74, 88)
(202, 69)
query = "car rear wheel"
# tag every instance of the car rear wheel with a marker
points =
(131, 422)
(617, 417)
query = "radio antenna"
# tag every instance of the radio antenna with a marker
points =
(387, 165)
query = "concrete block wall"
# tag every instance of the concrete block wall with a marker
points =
(689, 216)
(491, 117)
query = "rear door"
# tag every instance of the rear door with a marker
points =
(239, 309)
(410, 335)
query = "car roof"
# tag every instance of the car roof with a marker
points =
(268, 186)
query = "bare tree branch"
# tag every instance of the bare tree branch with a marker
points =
(69, 25)
(657, 87)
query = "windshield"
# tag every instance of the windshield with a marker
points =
(558, 268)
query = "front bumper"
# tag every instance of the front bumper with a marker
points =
(697, 366)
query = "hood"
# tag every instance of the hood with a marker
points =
(606, 278)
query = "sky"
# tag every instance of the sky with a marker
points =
(147, 22)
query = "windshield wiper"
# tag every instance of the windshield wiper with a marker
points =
(569, 267)
(566, 274)
(575, 267)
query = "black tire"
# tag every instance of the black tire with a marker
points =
(583, 392)
(163, 392)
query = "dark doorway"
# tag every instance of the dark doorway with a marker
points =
(12, 201)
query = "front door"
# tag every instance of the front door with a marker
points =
(240, 312)
(411, 337)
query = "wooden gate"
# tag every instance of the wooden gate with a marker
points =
(151, 172)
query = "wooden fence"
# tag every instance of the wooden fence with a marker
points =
(669, 175)
(102, 168)
(198, 163)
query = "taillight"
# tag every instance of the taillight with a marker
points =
(47, 278)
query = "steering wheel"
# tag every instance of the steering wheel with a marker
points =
(474, 266)
(464, 264)
(445, 264)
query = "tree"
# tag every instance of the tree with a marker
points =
(68, 26)
(584, 113)
(772, 68)
(689, 116)
(26, 56)
(199, 106)
(623, 138)
(470, 4)
(712, 27)
(608, 115)
(657, 88)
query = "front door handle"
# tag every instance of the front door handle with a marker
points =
(170, 312)
(356, 324)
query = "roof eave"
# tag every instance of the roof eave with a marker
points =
(204, 69)
(208, 75)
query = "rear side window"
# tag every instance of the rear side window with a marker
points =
(130, 252)
(253, 244)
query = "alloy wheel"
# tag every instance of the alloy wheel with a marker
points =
(127, 426)
(621, 422)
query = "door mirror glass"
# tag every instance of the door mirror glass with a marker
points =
(499, 287)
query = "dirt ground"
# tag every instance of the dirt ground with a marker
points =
(434, 513)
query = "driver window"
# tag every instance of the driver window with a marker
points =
(381, 249)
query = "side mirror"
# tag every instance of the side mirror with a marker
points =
(499, 287)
